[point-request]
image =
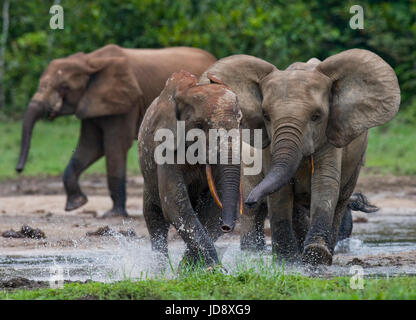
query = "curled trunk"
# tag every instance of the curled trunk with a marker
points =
(32, 114)
(285, 161)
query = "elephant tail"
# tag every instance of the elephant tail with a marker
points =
(359, 202)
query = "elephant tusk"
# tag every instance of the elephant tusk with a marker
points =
(211, 186)
(312, 166)
(213, 190)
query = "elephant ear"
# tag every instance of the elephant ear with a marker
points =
(170, 99)
(213, 79)
(365, 93)
(243, 74)
(112, 88)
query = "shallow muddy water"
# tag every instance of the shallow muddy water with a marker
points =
(384, 245)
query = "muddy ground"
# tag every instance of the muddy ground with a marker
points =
(39, 203)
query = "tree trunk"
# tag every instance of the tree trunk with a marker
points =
(51, 38)
(5, 30)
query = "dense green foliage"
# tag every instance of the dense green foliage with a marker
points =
(279, 31)
(243, 286)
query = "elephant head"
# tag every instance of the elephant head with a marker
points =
(311, 104)
(88, 85)
(243, 74)
(205, 107)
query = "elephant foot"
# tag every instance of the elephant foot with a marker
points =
(114, 213)
(216, 269)
(287, 258)
(317, 254)
(74, 202)
(287, 254)
(284, 243)
(197, 260)
(161, 262)
(192, 266)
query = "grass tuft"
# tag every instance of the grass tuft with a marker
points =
(243, 285)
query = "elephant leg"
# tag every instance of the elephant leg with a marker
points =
(89, 149)
(325, 185)
(252, 220)
(210, 217)
(176, 205)
(345, 228)
(342, 223)
(115, 149)
(284, 243)
(252, 235)
(301, 223)
(156, 224)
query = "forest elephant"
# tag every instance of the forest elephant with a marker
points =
(315, 116)
(109, 90)
(252, 235)
(199, 198)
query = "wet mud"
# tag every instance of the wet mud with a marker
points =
(88, 247)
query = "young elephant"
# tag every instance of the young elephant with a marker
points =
(184, 194)
(252, 235)
(109, 90)
(316, 116)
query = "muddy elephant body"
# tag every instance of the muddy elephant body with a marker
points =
(109, 90)
(183, 193)
(314, 117)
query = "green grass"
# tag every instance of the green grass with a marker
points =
(245, 285)
(391, 148)
(390, 151)
(51, 148)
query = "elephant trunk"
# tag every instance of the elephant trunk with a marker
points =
(228, 179)
(230, 195)
(32, 114)
(286, 158)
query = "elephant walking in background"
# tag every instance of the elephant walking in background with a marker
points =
(109, 90)
(184, 193)
(316, 116)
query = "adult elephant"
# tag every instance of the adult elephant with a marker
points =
(109, 90)
(316, 117)
(184, 192)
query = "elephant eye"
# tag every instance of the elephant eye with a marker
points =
(316, 116)
(266, 116)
